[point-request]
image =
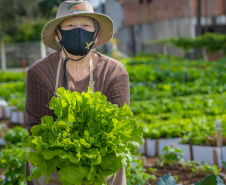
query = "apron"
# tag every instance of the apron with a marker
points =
(117, 179)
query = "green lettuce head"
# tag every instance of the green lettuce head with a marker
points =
(90, 139)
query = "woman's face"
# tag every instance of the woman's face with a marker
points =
(83, 22)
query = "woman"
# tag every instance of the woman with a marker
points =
(75, 31)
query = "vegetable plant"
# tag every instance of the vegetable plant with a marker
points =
(136, 173)
(211, 179)
(170, 156)
(10, 88)
(201, 167)
(19, 101)
(12, 164)
(16, 135)
(11, 76)
(166, 180)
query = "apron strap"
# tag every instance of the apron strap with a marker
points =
(58, 74)
(91, 82)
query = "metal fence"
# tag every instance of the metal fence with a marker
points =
(28, 51)
(163, 49)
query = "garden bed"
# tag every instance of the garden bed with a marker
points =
(209, 154)
(184, 175)
(153, 147)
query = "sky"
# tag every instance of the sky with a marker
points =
(96, 3)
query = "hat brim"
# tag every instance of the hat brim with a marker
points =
(106, 29)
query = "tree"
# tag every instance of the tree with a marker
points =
(13, 13)
(9, 19)
(48, 8)
(30, 8)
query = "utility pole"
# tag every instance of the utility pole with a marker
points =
(103, 8)
(198, 33)
(213, 19)
(199, 28)
(206, 15)
(3, 55)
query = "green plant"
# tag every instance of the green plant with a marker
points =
(16, 135)
(136, 173)
(10, 88)
(176, 177)
(201, 167)
(209, 168)
(91, 138)
(11, 76)
(19, 101)
(168, 78)
(210, 41)
(29, 31)
(170, 156)
(224, 164)
(166, 180)
(185, 116)
(211, 179)
(12, 165)
(152, 170)
(191, 164)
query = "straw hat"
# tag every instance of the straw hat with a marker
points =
(77, 8)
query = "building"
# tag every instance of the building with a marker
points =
(148, 20)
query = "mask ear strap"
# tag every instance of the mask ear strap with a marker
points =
(96, 34)
(65, 61)
(60, 42)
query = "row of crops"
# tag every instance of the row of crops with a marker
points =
(163, 92)
(180, 103)
(177, 98)
(13, 90)
(12, 134)
(171, 98)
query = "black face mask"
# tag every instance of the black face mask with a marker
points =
(77, 41)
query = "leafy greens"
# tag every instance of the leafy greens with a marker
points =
(89, 140)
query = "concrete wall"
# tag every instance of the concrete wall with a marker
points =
(114, 10)
(132, 38)
(140, 34)
(136, 23)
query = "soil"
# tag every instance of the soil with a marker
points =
(184, 175)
